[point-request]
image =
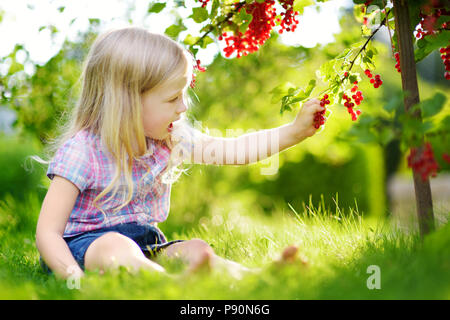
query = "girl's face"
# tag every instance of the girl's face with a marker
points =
(162, 106)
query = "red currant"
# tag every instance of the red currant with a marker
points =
(446, 157)
(423, 163)
(199, 68)
(203, 2)
(445, 56)
(377, 82)
(357, 98)
(264, 17)
(397, 58)
(319, 116)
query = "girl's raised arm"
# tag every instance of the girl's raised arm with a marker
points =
(256, 146)
(55, 211)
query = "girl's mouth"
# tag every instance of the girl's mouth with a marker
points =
(170, 127)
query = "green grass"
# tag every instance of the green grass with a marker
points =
(339, 247)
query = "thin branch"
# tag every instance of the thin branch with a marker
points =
(389, 31)
(228, 17)
(368, 40)
(362, 48)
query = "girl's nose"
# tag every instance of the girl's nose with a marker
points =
(182, 108)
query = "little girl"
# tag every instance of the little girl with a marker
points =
(115, 162)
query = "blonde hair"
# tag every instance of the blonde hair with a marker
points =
(121, 65)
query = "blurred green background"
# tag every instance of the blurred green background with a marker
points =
(330, 168)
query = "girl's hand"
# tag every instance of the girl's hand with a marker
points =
(303, 125)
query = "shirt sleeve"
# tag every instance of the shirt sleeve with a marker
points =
(72, 162)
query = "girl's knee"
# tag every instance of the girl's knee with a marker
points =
(114, 241)
(199, 245)
(109, 248)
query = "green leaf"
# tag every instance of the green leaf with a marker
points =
(444, 124)
(205, 41)
(190, 40)
(244, 20)
(193, 50)
(366, 31)
(431, 43)
(15, 67)
(214, 8)
(386, 135)
(174, 30)
(343, 54)
(310, 87)
(304, 94)
(352, 78)
(299, 5)
(432, 106)
(371, 47)
(199, 14)
(427, 126)
(94, 21)
(156, 7)
(280, 91)
(393, 104)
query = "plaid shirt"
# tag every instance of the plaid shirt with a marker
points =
(83, 161)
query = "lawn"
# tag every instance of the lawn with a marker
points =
(339, 248)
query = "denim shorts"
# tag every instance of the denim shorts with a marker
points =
(150, 239)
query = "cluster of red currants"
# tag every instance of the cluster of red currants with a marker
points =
(445, 56)
(258, 30)
(290, 21)
(376, 81)
(357, 98)
(203, 2)
(430, 15)
(319, 118)
(264, 16)
(199, 68)
(446, 157)
(397, 59)
(430, 24)
(423, 163)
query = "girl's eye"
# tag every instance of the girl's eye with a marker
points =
(175, 99)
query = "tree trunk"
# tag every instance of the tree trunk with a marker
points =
(422, 188)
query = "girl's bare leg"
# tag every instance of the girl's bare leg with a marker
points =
(113, 250)
(199, 255)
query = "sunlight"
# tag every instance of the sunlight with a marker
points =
(26, 18)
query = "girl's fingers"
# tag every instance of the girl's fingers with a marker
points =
(318, 108)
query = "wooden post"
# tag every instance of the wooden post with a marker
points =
(403, 30)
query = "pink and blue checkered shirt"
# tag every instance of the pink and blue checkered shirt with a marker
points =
(83, 161)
